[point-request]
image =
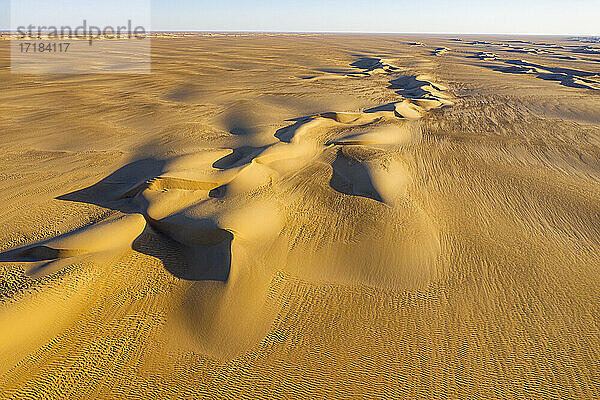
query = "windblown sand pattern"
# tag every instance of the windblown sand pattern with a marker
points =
(320, 216)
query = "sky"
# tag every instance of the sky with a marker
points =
(567, 17)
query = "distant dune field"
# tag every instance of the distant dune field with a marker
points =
(318, 216)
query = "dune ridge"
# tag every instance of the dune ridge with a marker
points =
(305, 215)
(173, 202)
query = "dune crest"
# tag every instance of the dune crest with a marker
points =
(221, 205)
(305, 216)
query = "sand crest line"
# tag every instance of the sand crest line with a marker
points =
(164, 201)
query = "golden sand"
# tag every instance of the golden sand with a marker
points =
(305, 216)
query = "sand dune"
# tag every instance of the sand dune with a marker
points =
(103, 236)
(566, 77)
(440, 51)
(310, 215)
(181, 202)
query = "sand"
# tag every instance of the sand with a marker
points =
(287, 215)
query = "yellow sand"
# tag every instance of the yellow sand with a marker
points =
(315, 216)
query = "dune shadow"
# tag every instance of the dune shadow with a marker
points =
(21, 254)
(334, 70)
(40, 251)
(238, 157)
(188, 262)
(286, 134)
(110, 192)
(383, 107)
(556, 70)
(369, 64)
(586, 50)
(564, 76)
(352, 177)
(408, 86)
(568, 80)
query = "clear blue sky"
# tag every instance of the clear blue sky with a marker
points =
(459, 16)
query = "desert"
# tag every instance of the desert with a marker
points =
(305, 216)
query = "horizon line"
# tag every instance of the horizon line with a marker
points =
(360, 32)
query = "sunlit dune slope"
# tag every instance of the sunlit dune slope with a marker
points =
(320, 216)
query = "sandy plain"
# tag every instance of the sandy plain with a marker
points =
(309, 215)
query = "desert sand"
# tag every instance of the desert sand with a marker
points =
(305, 215)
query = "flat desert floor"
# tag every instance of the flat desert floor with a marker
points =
(305, 216)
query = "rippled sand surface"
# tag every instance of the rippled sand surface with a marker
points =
(325, 216)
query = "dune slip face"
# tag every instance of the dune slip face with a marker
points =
(305, 215)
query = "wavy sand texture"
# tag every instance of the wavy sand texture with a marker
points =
(314, 216)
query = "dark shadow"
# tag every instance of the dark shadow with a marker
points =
(564, 76)
(514, 70)
(39, 251)
(218, 192)
(522, 51)
(239, 156)
(22, 254)
(111, 191)
(567, 71)
(384, 107)
(586, 50)
(189, 262)
(351, 177)
(482, 55)
(286, 134)
(334, 70)
(42, 267)
(210, 260)
(567, 80)
(585, 39)
(368, 64)
(408, 87)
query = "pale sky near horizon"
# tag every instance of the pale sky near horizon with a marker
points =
(574, 17)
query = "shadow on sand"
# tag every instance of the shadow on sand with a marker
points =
(190, 262)
(352, 177)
